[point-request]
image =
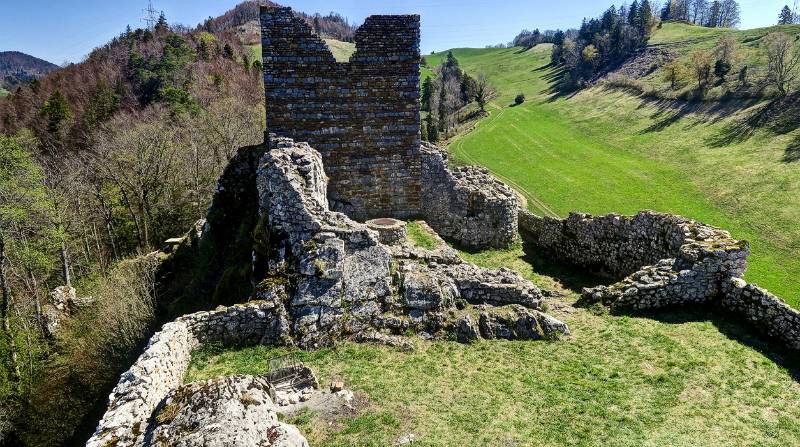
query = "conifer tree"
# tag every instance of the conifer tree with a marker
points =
(786, 17)
(162, 25)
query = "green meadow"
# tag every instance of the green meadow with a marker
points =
(607, 150)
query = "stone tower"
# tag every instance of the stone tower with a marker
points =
(361, 115)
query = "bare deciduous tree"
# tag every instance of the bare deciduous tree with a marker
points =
(484, 91)
(784, 61)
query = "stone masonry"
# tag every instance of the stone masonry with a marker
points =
(667, 261)
(362, 115)
(342, 282)
(467, 205)
(129, 419)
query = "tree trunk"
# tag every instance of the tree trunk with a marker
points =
(6, 298)
(65, 264)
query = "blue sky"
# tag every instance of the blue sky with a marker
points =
(61, 31)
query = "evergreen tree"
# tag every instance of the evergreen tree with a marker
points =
(227, 51)
(786, 17)
(162, 25)
(645, 19)
(633, 14)
(56, 111)
(427, 91)
(432, 128)
(202, 50)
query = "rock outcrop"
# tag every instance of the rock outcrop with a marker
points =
(227, 411)
(344, 282)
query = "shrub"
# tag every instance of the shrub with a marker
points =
(93, 347)
(519, 99)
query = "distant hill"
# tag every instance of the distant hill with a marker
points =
(245, 16)
(18, 68)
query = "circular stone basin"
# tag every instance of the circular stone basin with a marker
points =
(390, 231)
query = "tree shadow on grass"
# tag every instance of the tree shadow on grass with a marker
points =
(557, 87)
(671, 111)
(732, 327)
(780, 116)
(792, 153)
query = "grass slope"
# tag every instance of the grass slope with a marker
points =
(683, 39)
(618, 382)
(605, 150)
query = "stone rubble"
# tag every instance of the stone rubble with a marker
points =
(344, 281)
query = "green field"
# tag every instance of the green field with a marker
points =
(677, 379)
(4, 92)
(605, 150)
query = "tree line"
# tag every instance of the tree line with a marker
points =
(602, 42)
(102, 161)
(713, 14)
(445, 94)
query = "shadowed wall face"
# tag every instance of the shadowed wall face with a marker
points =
(362, 116)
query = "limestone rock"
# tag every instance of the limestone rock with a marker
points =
(466, 330)
(235, 410)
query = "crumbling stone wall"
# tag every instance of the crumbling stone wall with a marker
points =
(672, 261)
(362, 115)
(164, 362)
(467, 204)
(763, 310)
(614, 245)
(343, 281)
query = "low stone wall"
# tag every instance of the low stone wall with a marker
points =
(467, 204)
(763, 310)
(614, 245)
(164, 362)
(675, 261)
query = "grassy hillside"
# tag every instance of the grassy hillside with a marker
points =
(605, 150)
(4, 92)
(683, 39)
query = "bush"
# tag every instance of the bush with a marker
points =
(92, 349)
(722, 68)
(519, 99)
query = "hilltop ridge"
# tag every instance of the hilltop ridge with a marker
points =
(18, 68)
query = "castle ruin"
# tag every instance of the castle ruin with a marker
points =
(343, 146)
(361, 115)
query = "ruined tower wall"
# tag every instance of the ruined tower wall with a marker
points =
(362, 115)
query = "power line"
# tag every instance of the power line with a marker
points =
(150, 16)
